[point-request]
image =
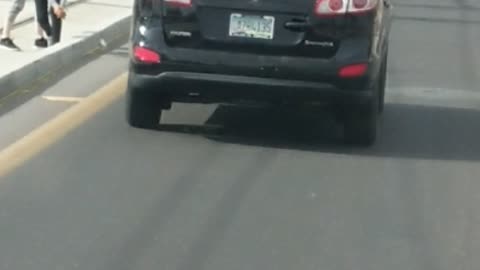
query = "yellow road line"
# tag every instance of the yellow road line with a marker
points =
(42, 137)
(63, 99)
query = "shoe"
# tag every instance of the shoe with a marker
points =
(41, 43)
(7, 43)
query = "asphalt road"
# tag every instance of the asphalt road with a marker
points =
(256, 188)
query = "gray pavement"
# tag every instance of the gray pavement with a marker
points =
(269, 190)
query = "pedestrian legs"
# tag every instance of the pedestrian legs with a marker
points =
(56, 25)
(41, 8)
(15, 9)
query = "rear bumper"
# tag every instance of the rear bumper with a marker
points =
(213, 88)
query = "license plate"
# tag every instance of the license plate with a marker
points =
(259, 27)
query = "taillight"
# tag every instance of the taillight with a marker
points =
(353, 71)
(328, 8)
(149, 7)
(359, 6)
(153, 7)
(145, 55)
(179, 3)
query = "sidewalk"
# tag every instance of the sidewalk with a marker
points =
(90, 25)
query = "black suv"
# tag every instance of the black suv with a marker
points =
(275, 51)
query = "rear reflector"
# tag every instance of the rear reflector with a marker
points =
(353, 71)
(146, 56)
(179, 3)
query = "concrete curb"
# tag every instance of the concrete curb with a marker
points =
(24, 78)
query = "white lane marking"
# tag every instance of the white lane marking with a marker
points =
(436, 97)
(63, 99)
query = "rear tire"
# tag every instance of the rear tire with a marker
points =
(361, 121)
(360, 124)
(143, 110)
(382, 84)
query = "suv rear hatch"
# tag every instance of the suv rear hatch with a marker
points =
(268, 27)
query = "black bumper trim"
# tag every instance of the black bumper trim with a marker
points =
(205, 87)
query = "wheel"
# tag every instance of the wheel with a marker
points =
(382, 84)
(360, 123)
(143, 110)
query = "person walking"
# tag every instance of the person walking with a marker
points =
(6, 41)
(57, 11)
(56, 18)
